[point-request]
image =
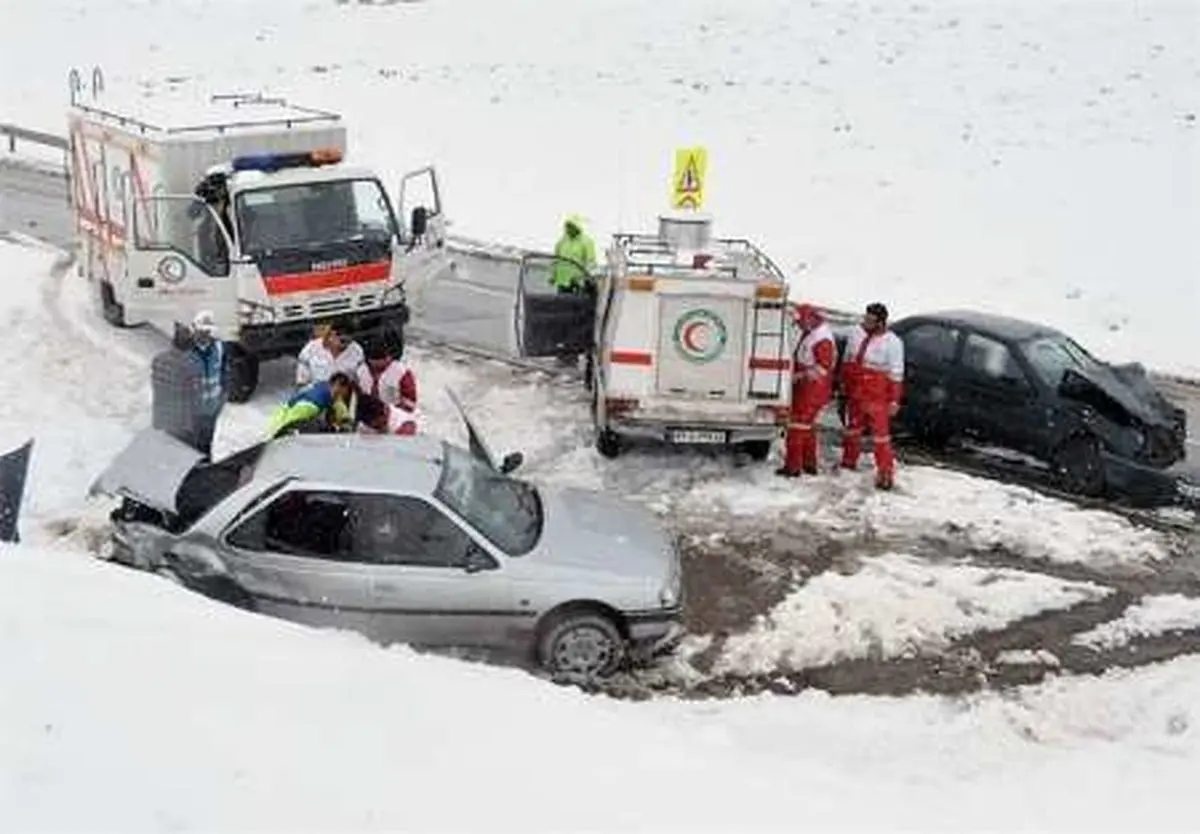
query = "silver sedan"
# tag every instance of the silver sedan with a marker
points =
(404, 539)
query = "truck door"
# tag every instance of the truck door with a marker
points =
(549, 323)
(178, 263)
(702, 347)
(420, 206)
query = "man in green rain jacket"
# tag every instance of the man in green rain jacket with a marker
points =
(575, 258)
(323, 403)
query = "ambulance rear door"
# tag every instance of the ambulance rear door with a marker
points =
(702, 346)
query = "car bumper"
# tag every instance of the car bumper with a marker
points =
(269, 341)
(664, 431)
(652, 633)
(1147, 486)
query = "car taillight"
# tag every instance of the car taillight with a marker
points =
(618, 405)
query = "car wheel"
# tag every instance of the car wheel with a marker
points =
(608, 443)
(114, 313)
(758, 450)
(1080, 467)
(584, 644)
(243, 375)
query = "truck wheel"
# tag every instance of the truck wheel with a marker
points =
(243, 375)
(1080, 467)
(114, 313)
(608, 444)
(758, 450)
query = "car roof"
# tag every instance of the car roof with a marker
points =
(988, 324)
(357, 461)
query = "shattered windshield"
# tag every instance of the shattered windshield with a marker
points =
(1053, 356)
(311, 215)
(505, 511)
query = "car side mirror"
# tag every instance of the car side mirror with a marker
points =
(419, 222)
(477, 560)
(511, 463)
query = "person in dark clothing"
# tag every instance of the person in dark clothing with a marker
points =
(212, 360)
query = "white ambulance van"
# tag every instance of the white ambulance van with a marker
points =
(242, 205)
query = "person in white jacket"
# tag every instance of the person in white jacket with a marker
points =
(328, 353)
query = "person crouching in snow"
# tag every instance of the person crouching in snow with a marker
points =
(321, 406)
(374, 416)
(873, 381)
(385, 376)
(212, 363)
(327, 353)
(812, 388)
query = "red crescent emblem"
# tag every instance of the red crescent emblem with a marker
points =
(689, 342)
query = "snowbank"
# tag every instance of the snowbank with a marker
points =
(895, 605)
(1150, 617)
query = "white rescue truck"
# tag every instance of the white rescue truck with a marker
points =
(689, 338)
(246, 210)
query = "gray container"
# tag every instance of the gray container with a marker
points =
(175, 393)
(685, 232)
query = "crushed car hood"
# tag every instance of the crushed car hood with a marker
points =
(591, 531)
(150, 470)
(1131, 388)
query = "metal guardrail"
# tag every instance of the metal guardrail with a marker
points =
(15, 132)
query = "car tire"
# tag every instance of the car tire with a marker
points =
(243, 375)
(110, 308)
(583, 643)
(608, 443)
(1080, 467)
(758, 450)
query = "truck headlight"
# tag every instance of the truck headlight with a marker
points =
(392, 295)
(672, 591)
(252, 313)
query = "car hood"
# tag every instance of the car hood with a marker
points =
(1130, 387)
(592, 531)
(150, 470)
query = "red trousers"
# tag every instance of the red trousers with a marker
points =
(869, 415)
(808, 398)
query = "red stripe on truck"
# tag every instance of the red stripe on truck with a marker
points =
(328, 279)
(760, 363)
(631, 357)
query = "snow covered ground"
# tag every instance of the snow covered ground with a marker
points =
(128, 704)
(1034, 158)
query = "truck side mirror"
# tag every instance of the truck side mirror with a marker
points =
(419, 222)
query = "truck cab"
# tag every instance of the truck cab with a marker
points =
(255, 217)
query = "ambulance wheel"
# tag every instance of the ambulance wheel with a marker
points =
(114, 312)
(243, 375)
(758, 450)
(608, 444)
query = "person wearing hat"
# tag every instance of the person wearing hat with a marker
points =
(872, 382)
(211, 359)
(812, 388)
(574, 257)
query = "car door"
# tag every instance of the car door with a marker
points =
(930, 352)
(178, 262)
(433, 583)
(996, 399)
(293, 556)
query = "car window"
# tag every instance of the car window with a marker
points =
(992, 360)
(1053, 356)
(505, 511)
(299, 523)
(401, 530)
(931, 344)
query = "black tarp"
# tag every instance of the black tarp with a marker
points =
(14, 468)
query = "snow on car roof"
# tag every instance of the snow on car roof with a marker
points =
(361, 461)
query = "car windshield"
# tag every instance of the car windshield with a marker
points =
(312, 215)
(507, 512)
(1052, 356)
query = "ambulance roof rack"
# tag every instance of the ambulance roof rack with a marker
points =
(296, 115)
(736, 257)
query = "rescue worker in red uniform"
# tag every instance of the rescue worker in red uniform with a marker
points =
(872, 382)
(812, 388)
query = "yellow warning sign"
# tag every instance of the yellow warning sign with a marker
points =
(687, 184)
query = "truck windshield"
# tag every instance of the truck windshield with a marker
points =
(312, 215)
(505, 511)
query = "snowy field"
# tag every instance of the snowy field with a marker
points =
(1036, 158)
(129, 704)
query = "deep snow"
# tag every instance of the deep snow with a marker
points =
(1035, 158)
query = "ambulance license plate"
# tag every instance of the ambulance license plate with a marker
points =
(696, 436)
